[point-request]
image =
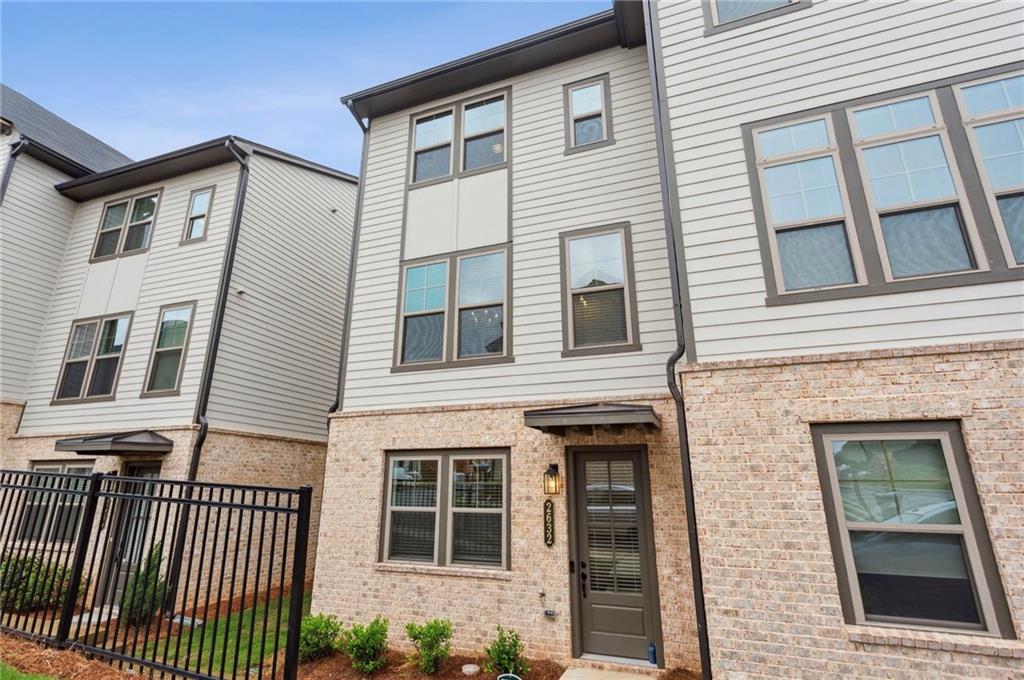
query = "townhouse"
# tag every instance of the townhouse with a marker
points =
(821, 245)
(178, 316)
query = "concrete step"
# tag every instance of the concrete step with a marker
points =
(595, 674)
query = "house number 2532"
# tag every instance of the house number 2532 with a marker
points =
(549, 523)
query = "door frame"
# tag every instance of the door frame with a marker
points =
(572, 453)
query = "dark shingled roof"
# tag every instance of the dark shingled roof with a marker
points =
(56, 134)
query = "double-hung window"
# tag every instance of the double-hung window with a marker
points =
(739, 12)
(447, 508)
(481, 321)
(598, 298)
(53, 508)
(432, 146)
(909, 539)
(92, 360)
(167, 361)
(126, 226)
(811, 239)
(424, 306)
(466, 137)
(588, 114)
(923, 225)
(198, 214)
(993, 113)
(483, 133)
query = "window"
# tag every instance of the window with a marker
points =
(465, 138)
(92, 360)
(126, 226)
(170, 346)
(909, 539)
(588, 114)
(993, 113)
(447, 508)
(432, 146)
(483, 129)
(198, 214)
(50, 515)
(436, 329)
(726, 14)
(598, 300)
(923, 225)
(809, 224)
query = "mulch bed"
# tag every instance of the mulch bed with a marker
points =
(338, 667)
(29, 657)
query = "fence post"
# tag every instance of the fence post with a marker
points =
(291, 650)
(78, 561)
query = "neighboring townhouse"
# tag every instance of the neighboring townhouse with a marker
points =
(510, 322)
(193, 323)
(849, 180)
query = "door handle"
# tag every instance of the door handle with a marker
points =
(583, 580)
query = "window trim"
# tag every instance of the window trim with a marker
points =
(712, 26)
(147, 393)
(91, 361)
(189, 216)
(443, 531)
(940, 129)
(569, 119)
(449, 355)
(119, 252)
(977, 545)
(852, 241)
(632, 343)
(970, 124)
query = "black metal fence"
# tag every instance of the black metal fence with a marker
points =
(175, 579)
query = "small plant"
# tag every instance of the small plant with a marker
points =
(145, 590)
(366, 645)
(433, 644)
(505, 655)
(318, 636)
(29, 583)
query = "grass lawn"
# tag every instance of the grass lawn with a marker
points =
(218, 639)
(8, 673)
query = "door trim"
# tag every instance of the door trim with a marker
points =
(650, 573)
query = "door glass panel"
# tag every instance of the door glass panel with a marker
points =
(612, 528)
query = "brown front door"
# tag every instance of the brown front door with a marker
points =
(615, 592)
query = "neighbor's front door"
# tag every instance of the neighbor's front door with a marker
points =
(617, 602)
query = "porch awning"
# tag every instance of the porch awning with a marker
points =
(588, 416)
(139, 441)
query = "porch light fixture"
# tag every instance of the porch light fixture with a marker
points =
(552, 482)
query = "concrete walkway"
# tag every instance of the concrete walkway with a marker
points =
(594, 674)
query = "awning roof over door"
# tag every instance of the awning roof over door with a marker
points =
(588, 416)
(139, 441)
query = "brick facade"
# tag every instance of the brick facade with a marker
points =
(772, 598)
(351, 583)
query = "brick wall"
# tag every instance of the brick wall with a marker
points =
(773, 604)
(351, 584)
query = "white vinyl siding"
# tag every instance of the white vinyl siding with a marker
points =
(715, 84)
(551, 193)
(277, 364)
(144, 283)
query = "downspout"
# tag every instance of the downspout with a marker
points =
(16, 149)
(673, 238)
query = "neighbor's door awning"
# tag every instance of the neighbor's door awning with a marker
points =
(583, 417)
(119, 443)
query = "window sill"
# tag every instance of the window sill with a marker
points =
(937, 640)
(434, 570)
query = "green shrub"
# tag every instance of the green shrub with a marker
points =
(29, 583)
(318, 637)
(505, 655)
(433, 644)
(366, 645)
(145, 590)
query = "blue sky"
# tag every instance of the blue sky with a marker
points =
(150, 77)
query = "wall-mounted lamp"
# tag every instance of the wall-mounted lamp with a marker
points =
(552, 482)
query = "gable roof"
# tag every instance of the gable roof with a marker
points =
(52, 133)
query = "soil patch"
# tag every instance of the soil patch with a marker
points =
(338, 667)
(28, 657)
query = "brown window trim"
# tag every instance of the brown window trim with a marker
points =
(449, 348)
(985, 580)
(963, 159)
(99, 320)
(632, 321)
(712, 28)
(443, 509)
(159, 191)
(188, 215)
(606, 113)
(153, 394)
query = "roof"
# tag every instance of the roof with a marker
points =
(52, 133)
(189, 159)
(601, 414)
(138, 441)
(621, 26)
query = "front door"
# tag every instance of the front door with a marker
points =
(128, 547)
(616, 597)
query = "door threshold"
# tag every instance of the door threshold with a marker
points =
(620, 660)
